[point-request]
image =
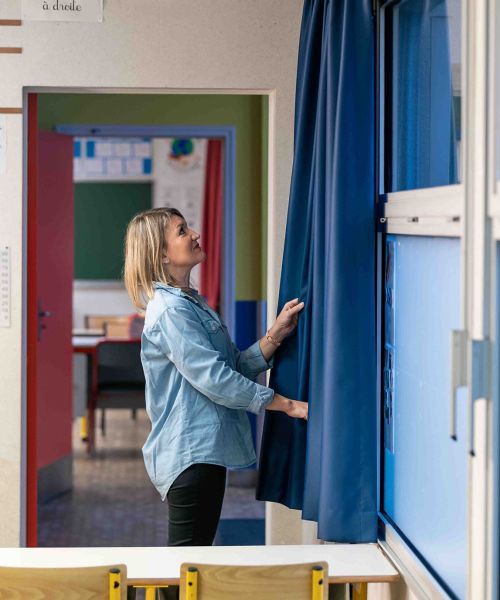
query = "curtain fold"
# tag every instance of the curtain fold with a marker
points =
(328, 467)
(211, 232)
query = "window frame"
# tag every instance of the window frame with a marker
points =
(423, 211)
(469, 210)
(493, 203)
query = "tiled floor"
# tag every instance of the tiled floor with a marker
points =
(113, 503)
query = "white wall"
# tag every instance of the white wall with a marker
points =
(159, 46)
(99, 298)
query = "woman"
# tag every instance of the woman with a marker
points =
(198, 385)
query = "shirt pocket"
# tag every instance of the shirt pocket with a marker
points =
(212, 326)
(216, 335)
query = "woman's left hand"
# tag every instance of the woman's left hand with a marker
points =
(287, 320)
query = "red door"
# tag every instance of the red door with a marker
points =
(50, 288)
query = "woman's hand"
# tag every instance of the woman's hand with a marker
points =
(298, 410)
(293, 408)
(287, 320)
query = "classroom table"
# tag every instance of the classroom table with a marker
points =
(156, 566)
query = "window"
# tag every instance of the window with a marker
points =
(423, 94)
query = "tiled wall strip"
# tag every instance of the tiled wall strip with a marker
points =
(10, 22)
(11, 50)
(10, 110)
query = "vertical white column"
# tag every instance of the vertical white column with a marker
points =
(477, 242)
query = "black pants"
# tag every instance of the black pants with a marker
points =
(194, 505)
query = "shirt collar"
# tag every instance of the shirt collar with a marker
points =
(177, 291)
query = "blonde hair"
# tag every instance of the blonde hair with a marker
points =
(145, 245)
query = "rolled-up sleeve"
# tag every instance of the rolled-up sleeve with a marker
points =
(183, 339)
(251, 362)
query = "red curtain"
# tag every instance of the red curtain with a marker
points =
(211, 232)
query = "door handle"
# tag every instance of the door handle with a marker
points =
(42, 314)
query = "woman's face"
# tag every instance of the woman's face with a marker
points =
(183, 250)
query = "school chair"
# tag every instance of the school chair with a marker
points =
(278, 582)
(112, 325)
(118, 381)
(82, 583)
(116, 326)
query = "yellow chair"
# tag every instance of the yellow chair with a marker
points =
(277, 582)
(84, 583)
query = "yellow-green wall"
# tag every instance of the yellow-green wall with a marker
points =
(247, 114)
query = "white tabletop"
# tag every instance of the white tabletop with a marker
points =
(84, 331)
(84, 341)
(346, 562)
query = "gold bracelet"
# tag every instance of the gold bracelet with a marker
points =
(270, 339)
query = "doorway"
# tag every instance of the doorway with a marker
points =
(54, 111)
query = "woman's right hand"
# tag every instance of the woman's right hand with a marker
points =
(293, 408)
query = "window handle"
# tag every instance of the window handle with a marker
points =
(458, 374)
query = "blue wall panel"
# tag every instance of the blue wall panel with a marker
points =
(246, 335)
(425, 472)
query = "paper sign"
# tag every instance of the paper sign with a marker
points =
(3, 144)
(4, 286)
(62, 10)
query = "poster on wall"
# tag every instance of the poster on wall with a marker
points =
(179, 181)
(62, 10)
(179, 176)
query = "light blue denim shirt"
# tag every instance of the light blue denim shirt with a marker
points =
(198, 387)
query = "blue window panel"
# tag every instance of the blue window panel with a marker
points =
(423, 57)
(425, 474)
(147, 166)
(90, 149)
(77, 149)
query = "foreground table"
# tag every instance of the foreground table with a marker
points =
(347, 563)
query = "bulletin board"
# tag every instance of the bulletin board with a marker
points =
(102, 212)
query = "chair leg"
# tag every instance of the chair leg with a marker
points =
(133, 414)
(359, 591)
(150, 592)
(91, 429)
(103, 422)
(84, 434)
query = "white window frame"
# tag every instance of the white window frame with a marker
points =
(469, 210)
(492, 499)
(435, 211)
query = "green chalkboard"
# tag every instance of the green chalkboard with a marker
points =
(102, 212)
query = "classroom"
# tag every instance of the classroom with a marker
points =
(340, 153)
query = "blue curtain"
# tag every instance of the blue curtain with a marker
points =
(328, 466)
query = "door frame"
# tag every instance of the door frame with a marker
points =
(29, 509)
(225, 133)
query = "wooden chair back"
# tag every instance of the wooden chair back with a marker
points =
(112, 325)
(306, 581)
(82, 583)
